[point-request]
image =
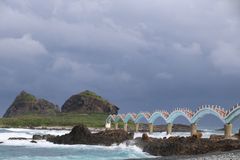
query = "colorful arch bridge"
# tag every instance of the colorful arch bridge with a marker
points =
(226, 116)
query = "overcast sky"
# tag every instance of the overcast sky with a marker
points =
(141, 55)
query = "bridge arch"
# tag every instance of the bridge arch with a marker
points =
(128, 117)
(141, 116)
(119, 118)
(155, 116)
(205, 111)
(234, 113)
(175, 114)
(110, 119)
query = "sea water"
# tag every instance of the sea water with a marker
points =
(43, 150)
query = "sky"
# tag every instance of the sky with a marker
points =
(140, 55)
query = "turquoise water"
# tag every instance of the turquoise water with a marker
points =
(80, 152)
(25, 150)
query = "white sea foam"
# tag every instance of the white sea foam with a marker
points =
(83, 151)
(28, 133)
(5, 134)
(206, 134)
(132, 150)
(37, 131)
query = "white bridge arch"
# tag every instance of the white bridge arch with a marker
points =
(226, 116)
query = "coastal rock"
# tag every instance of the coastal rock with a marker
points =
(81, 135)
(89, 102)
(109, 137)
(27, 104)
(185, 146)
(42, 137)
(33, 141)
(145, 137)
(216, 137)
(37, 137)
(197, 135)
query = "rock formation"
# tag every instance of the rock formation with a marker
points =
(185, 145)
(27, 104)
(81, 135)
(88, 102)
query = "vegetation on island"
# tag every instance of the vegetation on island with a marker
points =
(91, 94)
(88, 102)
(86, 108)
(95, 120)
(62, 119)
(27, 104)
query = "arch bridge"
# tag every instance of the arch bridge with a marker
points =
(226, 116)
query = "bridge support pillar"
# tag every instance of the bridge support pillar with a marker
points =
(228, 130)
(193, 129)
(137, 127)
(150, 128)
(116, 125)
(125, 127)
(169, 128)
(108, 125)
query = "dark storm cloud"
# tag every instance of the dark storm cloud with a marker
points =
(141, 55)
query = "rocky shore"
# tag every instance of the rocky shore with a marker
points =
(185, 145)
(158, 147)
(172, 146)
(82, 135)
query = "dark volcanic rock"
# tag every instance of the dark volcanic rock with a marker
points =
(81, 135)
(42, 137)
(197, 135)
(27, 104)
(87, 102)
(33, 141)
(185, 146)
(37, 137)
(145, 137)
(216, 137)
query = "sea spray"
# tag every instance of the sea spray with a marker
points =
(24, 149)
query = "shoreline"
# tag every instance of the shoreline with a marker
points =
(151, 142)
(57, 128)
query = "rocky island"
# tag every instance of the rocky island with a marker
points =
(88, 102)
(27, 104)
(82, 135)
(28, 111)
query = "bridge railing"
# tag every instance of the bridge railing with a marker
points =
(219, 111)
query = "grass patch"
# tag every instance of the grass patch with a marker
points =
(63, 119)
(91, 94)
(24, 96)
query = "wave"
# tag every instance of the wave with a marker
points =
(124, 150)
(36, 131)
(206, 134)
(6, 133)
(121, 151)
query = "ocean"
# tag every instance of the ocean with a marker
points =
(25, 150)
